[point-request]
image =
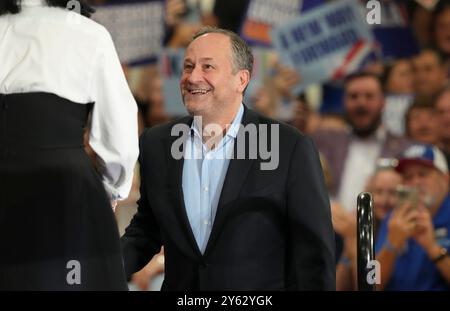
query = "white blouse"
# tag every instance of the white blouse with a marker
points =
(50, 49)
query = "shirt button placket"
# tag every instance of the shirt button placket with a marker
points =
(204, 195)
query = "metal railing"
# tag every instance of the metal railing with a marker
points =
(365, 244)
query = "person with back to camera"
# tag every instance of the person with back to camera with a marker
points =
(57, 226)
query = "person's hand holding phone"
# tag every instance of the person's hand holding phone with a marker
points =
(402, 224)
(424, 233)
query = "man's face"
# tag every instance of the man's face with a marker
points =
(431, 183)
(208, 84)
(423, 126)
(429, 74)
(442, 31)
(401, 79)
(384, 186)
(364, 103)
(443, 116)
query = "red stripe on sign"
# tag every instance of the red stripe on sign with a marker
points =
(340, 72)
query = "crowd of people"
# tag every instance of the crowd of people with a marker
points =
(391, 130)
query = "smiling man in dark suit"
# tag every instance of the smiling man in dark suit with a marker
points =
(230, 214)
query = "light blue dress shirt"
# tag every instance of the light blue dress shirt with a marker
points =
(204, 172)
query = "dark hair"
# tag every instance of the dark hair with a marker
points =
(440, 56)
(388, 68)
(14, 6)
(242, 56)
(440, 7)
(362, 74)
(419, 103)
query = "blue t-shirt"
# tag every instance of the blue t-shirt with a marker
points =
(413, 269)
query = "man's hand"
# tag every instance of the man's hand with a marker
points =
(402, 225)
(114, 205)
(143, 278)
(344, 223)
(285, 79)
(424, 234)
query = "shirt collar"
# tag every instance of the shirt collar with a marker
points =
(31, 3)
(234, 126)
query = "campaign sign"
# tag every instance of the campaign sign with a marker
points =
(326, 43)
(263, 15)
(136, 27)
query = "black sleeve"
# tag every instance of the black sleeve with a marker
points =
(142, 239)
(311, 233)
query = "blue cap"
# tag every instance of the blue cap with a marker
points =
(426, 155)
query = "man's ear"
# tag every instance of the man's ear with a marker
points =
(244, 79)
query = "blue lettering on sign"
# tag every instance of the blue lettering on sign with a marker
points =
(306, 31)
(284, 42)
(340, 17)
(298, 34)
(315, 28)
(324, 47)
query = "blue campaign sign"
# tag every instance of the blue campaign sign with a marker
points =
(325, 43)
(263, 15)
(136, 27)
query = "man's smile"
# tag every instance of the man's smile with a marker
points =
(198, 91)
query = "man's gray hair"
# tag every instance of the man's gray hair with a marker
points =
(242, 57)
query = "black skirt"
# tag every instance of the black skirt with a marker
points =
(57, 228)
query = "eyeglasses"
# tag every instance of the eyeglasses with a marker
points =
(386, 164)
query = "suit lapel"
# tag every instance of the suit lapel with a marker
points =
(175, 179)
(237, 173)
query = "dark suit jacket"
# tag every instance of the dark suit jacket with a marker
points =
(272, 229)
